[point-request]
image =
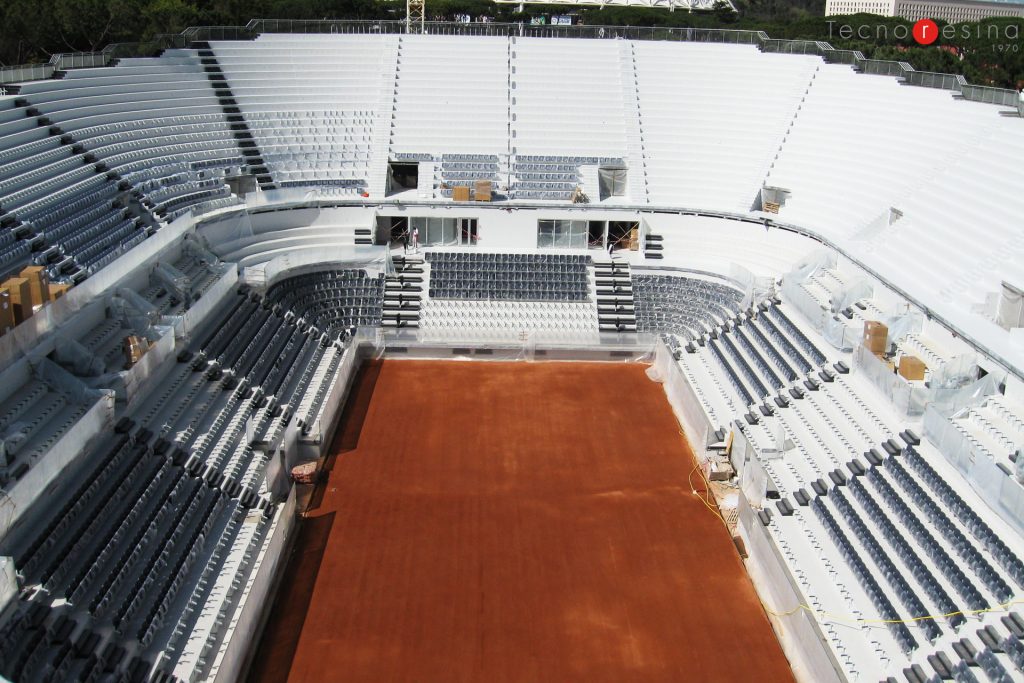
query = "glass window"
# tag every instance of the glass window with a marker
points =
(611, 182)
(437, 231)
(561, 234)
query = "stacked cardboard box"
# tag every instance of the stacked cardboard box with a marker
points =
(21, 298)
(875, 337)
(482, 191)
(57, 291)
(634, 239)
(6, 311)
(912, 368)
(134, 347)
(460, 194)
(39, 283)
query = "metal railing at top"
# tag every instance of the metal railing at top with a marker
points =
(86, 60)
(201, 34)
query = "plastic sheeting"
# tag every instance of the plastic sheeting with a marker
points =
(64, 382)
(365, 344)
(135, 313)
(955, 385)
(839, 334)
(845, 336)
(8, 580)
(682, 398)
(1003, 494)
(902, 324)
(78, 359)
(298, 196)
(956, 372)
(753, 478)
(612, 182)
(810, 264)
(190, 320)
(372, 259)
(174, 280)
(851, 293)
(196, 250)
(130, 382)
(510, 346)
(75, 442)
(282, 457)
(1010, 312)
(908, 400)
(797, 296)
(754, 287)
(235, 226)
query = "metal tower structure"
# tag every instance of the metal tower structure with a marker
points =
(415, 15)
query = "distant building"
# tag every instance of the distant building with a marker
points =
(954, 11)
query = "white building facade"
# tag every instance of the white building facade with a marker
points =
(951, 12)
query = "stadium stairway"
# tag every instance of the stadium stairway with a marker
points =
(246, 142)
(402, 292)
(615, 311)
(654, 246)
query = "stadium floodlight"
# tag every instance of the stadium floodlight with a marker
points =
(671, 5)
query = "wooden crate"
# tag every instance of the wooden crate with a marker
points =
(39, 282)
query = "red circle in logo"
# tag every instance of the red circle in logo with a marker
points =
(926, 32)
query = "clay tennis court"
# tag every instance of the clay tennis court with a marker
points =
(488, 521)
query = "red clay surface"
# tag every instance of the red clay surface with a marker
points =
(513, 522)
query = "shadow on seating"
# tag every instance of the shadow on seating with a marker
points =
(349, 427)
(273, 659)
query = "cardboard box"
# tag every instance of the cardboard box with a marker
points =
(21, 298)
(876, 336)
(873, 328)
(6, 311)
(482, 190)
(57, 291)
(912, 368)
(39, 281)
(460, 194)
(134, 348)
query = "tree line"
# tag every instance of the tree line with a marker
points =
(989, 52)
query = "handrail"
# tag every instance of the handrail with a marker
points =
(198, 34)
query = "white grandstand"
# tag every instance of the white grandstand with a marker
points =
(742, 215)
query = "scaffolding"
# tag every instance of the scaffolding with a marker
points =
(415, 16)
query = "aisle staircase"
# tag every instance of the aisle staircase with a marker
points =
(654, 246)
(403, 290)
(614, 296)
(383, 127)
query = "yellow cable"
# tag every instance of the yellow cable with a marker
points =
(839, 617)
(707, 491)
(821, 613)
(707, 484)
